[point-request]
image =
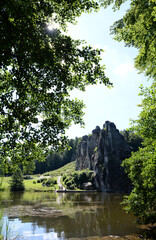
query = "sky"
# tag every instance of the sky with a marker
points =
(118, 104)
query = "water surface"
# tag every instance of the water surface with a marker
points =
(66, 215)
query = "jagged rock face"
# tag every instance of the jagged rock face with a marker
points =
(103, 152)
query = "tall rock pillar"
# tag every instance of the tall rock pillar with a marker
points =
(103, 152)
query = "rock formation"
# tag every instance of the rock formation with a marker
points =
(103, 152)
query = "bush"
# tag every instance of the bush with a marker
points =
(43, 180)
(77, 178)
(71, 185)
(50, 182)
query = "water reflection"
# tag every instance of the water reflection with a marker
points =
(68, 215)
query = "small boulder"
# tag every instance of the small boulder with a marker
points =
(88, 186)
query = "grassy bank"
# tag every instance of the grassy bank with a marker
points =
(30, 185)
(36, 183)
(68, 168)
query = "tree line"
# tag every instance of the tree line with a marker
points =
(55, 160)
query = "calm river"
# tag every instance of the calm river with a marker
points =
(53, 216)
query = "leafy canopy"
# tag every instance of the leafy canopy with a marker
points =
(141, 166)
(137, 28)
(146, 123)
(39, 68)
(141, 169)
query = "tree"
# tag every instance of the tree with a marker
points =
(137, 29)
(39, 68)
(141, 169)
(134, 140)
(141, 166)
(29, 168)
(55, 160)
(146, 124)
(17, 181)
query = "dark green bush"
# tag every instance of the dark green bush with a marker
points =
(64, 177)
(43, 179)
(50, 182)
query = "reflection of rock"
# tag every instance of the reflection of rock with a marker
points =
(103, 152)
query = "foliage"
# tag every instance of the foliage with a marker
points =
(50, 181)
(47, 182)
(68, 168)
(137, 28)
(39, 68)
(134, 140)
(57, 159)
(141, 166)
(76, 179)
(17, 181)
(39, 186)
(146, 123)
(31, 184)
(41, 180)
(29, 168)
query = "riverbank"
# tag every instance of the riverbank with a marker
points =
(36, 185)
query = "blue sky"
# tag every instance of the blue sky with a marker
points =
(118, 104)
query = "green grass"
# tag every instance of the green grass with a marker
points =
(31, 186)
(4, 183)
(68, 168)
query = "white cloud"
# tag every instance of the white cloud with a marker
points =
(123, 69)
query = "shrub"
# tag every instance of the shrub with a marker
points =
(64, 177)
(70, 185)
(77, 178)
(43, 180)
(50, 182)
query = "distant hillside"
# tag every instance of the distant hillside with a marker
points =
(68, 168)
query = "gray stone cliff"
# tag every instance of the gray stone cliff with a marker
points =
(103, 152)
